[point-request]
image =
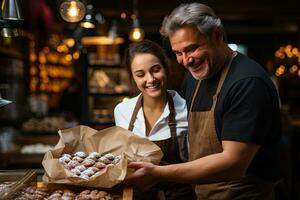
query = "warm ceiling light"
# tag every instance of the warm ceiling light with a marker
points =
(76, 55)
(123, 15)
(70, 42)
(72, 10)
(101, 40)
(88, 21)
(136, 35)
(87, 24)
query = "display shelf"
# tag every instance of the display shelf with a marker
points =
(10, 52)
(17, 182)
(14, 159)
(36, 133)
(18, 160)
(104, 85)
(50, 70)
(43, 138)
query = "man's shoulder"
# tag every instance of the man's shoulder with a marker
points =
(244, 68)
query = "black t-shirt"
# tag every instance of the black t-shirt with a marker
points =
(247, 111)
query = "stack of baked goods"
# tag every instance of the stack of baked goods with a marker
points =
(98, 159)
(87, 165)
(43, 193)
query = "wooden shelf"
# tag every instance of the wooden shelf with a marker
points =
(34, 139)
(11, 53)
(15, 160)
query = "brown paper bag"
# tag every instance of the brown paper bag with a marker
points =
(115, 140)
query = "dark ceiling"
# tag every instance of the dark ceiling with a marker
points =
(256, 16)
(262, 25)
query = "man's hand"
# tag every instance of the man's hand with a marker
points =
(144, 177)
(231, 164)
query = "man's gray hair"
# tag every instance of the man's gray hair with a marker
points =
(193, 14)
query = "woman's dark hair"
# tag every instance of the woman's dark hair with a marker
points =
(145, 46)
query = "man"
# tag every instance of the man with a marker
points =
(234, 117)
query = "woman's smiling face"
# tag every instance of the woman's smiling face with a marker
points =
(149, 75)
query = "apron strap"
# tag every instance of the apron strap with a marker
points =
(220, 84)
(195, 94)
(138, 105)
(171, 117)
(222, 78)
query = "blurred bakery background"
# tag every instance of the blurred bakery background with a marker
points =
(61, 65)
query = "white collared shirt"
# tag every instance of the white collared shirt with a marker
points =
(160, 131)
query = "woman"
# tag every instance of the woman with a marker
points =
(156, 113)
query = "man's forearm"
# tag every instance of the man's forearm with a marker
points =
(209, 169)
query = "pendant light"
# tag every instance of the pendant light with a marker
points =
(136, 34)
(11, 19)
(72, 10)
(88, 21)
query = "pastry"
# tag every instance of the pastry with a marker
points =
(84, 176)
(104, 160)
(88, 162)
(109, 156)
(67, 155)
(78, 159)
(80, 154)
(88, 172)
(76, 171)
(64, 159)
(95, 154)
(94, 169)
(81, 168)
(72, 164)
(100, 165)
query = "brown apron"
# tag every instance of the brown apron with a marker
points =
(203, 141)
(170, 149)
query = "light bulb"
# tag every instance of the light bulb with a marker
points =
(136, 34)
(88, 19)
(72, 10)
(87, 25)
